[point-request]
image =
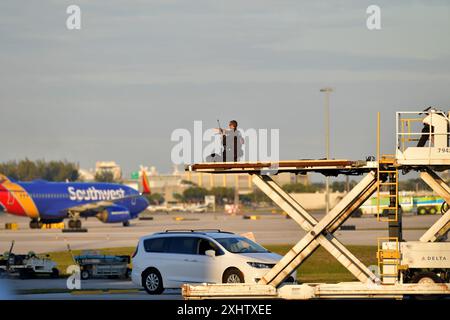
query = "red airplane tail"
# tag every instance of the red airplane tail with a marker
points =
(145, 183)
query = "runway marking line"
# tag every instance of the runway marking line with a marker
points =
(118, 291)
(82, 292)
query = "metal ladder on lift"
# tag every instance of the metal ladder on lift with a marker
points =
(387, 181)
(389, 259)
(387, 188)
(388, 254)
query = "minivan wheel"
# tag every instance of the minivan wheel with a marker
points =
(152, 281)
(233, 275)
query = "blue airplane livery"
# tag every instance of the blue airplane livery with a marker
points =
(52, 202)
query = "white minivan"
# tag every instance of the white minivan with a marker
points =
(172, 258)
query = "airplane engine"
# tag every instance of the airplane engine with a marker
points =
(114, 214)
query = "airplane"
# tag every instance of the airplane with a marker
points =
(52, 202)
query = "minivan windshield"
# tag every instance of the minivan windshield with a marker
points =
(241, 245)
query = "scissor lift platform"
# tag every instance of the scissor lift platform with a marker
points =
(328, 167)
(320, 233)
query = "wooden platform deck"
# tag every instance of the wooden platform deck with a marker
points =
(327, 167)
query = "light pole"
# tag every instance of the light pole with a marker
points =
(327, 91)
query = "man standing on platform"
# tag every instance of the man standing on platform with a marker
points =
(232, 142)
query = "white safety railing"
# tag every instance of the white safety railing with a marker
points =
(406, 134)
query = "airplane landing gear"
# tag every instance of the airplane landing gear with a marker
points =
(35, 224)
(126, 223)
(74, 224)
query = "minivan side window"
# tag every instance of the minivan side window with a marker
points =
(183, 245)
(205, 245)
(156, 244)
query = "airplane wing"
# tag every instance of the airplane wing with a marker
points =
(97, 205)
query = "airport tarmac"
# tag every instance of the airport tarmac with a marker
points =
(93, 289)
(141, 295)
(269, 229)
(61, 284)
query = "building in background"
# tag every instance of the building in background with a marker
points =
(178, 181)
(109, 166)
(241, 181)
(86, 175)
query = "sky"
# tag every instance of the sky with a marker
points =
(138, 70)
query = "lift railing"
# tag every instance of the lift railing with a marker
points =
(410, 132)
(409, 129)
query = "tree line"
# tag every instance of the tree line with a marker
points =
(27, 170)
(194, 193)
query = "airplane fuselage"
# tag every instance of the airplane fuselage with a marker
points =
(53, 200)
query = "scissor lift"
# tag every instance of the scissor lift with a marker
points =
(390, 283)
